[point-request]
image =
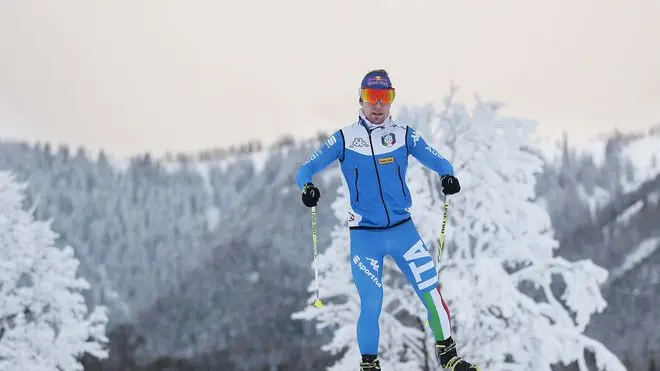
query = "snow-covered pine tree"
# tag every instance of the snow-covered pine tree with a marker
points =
(45, 324)
(515, 304)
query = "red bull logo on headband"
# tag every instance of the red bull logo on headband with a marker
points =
(373, 81)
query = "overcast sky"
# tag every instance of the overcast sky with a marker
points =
(151, 75)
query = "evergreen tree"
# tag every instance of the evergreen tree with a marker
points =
(45, 324)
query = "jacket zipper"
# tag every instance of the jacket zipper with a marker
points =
(357, 190)
(380, 188)
(398, 171)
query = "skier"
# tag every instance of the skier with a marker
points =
(373, 155)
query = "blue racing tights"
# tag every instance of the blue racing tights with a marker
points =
(404, 245)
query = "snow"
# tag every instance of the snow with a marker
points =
(203, 169)
(253, 277)
(625, 216)
(595, 148)
(171, 166)
(596, 200)
(328, 176)
(213, 217)
(655, 277)
(642, 152)
(112, 294)
(259, 160)
(226, 162)
(549, 148)
(119, 163)
(643, 251)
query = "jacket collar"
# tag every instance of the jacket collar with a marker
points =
(362, 120)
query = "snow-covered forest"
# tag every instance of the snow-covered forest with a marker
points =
(204, 261)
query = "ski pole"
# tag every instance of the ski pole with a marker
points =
(317, 303)
(441, 240)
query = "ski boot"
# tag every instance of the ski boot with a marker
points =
(449, 359)
(369, 363)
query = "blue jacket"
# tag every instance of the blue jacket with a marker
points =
(374, 164)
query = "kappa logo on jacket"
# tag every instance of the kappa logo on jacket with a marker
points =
(415, 137)
(358, 142)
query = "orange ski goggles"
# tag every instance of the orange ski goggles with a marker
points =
(385, 96)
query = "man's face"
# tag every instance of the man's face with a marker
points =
(376, 113)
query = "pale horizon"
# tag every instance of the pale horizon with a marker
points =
(160, 76)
